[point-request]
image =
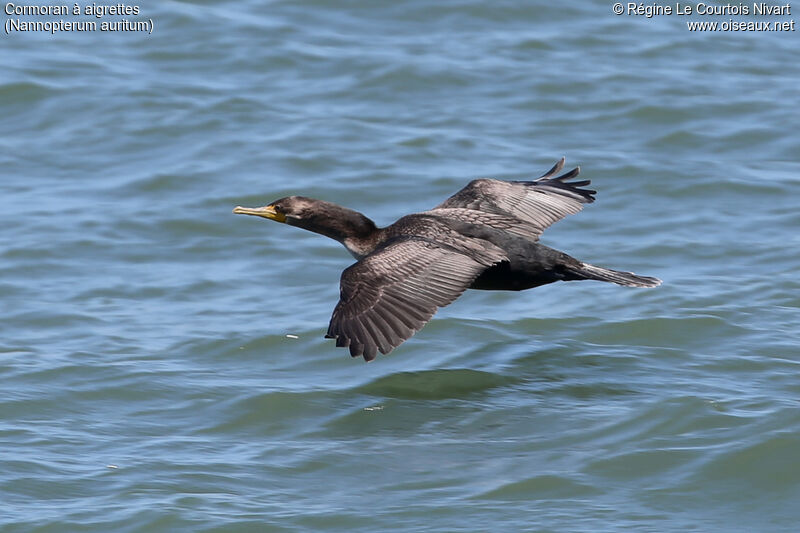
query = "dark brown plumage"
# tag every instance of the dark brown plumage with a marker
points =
(486, 236)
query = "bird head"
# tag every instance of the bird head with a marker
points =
(291, 210)
(321, 217)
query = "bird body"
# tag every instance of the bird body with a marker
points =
(486, 236)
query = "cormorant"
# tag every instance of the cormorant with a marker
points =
(485, 236)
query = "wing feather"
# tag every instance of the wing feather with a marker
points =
(390, 294)
(535, 205)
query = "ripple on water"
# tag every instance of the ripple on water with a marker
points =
(436, 384)
(541, 487)
(19, 95)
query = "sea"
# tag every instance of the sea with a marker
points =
(163, 366)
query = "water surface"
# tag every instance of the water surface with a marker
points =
(151, 378)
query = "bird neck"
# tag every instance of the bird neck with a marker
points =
(354, 230)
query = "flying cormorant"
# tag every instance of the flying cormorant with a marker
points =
(485, 236)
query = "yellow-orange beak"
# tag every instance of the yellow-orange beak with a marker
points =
(267, 211)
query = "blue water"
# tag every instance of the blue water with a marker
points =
(162, 361)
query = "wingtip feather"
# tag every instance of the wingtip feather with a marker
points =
(555, 169)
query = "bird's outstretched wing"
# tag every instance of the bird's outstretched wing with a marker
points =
(538, 204)
(391, 293)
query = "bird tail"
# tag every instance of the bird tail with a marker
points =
(629, 279)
